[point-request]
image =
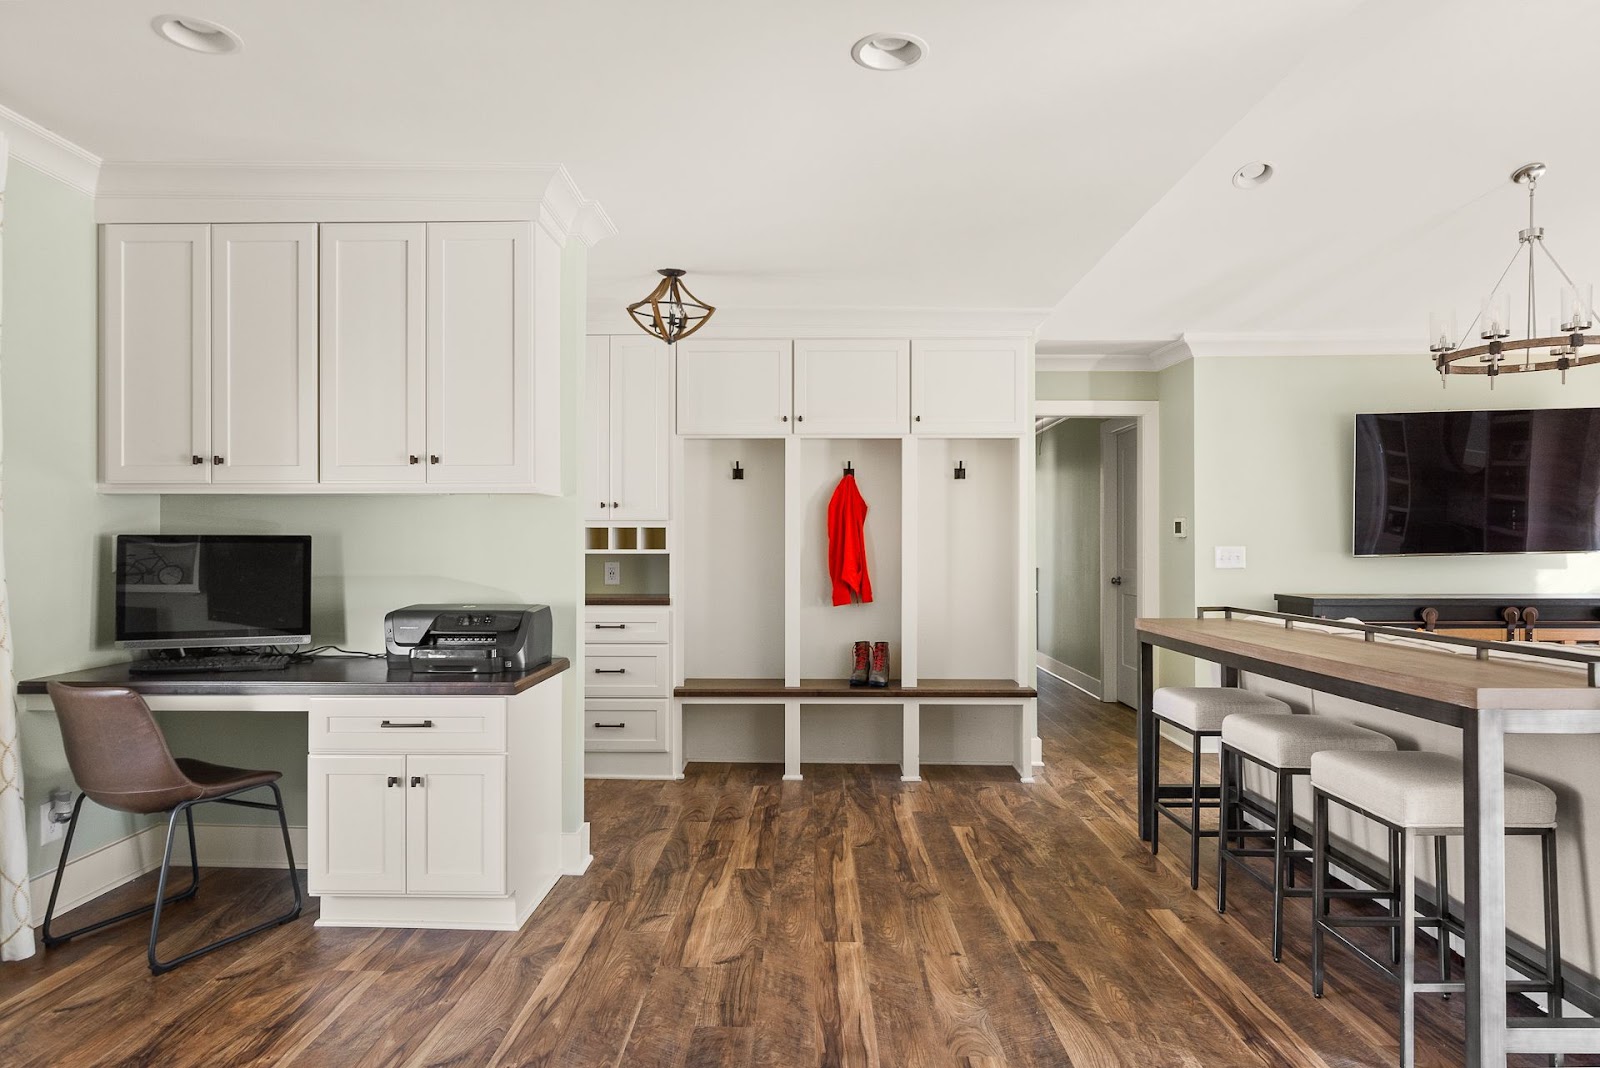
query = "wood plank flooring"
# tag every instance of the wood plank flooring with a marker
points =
(736, 919)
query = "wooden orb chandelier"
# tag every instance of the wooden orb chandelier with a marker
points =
(671, 313)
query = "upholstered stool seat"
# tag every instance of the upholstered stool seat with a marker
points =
(1422, 789)
(1203, 708)
(1283, 747)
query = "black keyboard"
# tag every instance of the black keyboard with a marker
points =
(194, 664)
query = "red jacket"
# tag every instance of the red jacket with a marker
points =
(847, 549)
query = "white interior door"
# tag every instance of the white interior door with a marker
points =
(596, 436)
(374, 358)
(1122, 504)
(455, 824)
(356, 825)
(264, 353)
(734, 388)
(848, 388)
(480, 354)
(639, 430)
(155, 316)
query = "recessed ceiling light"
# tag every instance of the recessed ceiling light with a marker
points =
(1252, 175)
(889, 51)
(197, 35)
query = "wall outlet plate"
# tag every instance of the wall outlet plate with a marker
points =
(1230, 557)
(1180, 528)
(613, 572)
(49, 829)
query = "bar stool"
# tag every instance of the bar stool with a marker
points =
(1417, 795)
(1198, 711)
(1283, 747)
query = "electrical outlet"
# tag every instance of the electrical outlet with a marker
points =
(1230, 557)
(613, 572)
(49, 829)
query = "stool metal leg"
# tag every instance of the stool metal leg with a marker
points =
(1397, 886)
(1552, 928)
(1280, 831)
(1319, 884)
(1225, 813)
(1405, 866)
(1286, 804)
(1194, 814)
(1441, 868)
(1155, 795)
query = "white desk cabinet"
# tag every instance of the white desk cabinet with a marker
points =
(626, 430)
(969, 388)
(738, 389)
(852, 388)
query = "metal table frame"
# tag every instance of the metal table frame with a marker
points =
(1490, 1035)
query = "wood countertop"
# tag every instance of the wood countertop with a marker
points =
(659, 600)
(329, 676)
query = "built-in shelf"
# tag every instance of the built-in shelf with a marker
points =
(926, 689)
(646, 600)
(625, 539)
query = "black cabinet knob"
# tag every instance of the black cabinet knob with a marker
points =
(416, 780)
(799, 418)
(785, 418)
(414, 459)
(919, 418)
(218, 460)
(614, 504)
(602, 504)
(197, 459)
(394, 780)
(433, 458)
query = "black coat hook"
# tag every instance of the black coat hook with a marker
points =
(961, 469)
(849, 468)
(738, 472)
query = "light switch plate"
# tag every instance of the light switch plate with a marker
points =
(1230, 557)
(613, 572)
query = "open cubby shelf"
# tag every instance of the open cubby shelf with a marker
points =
(625, 539)
(925, 689)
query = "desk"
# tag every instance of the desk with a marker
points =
(1486, 699)
(434, 800)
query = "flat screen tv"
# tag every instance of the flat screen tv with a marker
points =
(1439, 483)
(179, 591)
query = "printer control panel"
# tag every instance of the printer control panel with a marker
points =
(474, 621)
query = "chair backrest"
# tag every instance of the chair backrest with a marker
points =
(117, 753)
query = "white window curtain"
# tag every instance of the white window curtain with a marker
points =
(16, 909)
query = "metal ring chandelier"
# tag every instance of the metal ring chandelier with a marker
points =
(671, 313)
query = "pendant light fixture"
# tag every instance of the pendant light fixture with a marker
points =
(671, 312)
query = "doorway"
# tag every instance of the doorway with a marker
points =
(1119, 559)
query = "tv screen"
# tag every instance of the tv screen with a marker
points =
(180, 590)
(1434, 483)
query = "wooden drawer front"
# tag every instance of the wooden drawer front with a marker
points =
(625, 671)
(625, 626)
(625, 726)
(408, 725)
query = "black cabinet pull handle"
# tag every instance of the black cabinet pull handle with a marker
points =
(610, 626)
(413, 459)
(611, 726)
(218, 460)
(610, 671)
(390, 724)
(433, 458)
(197, 459)
(394, 780)
(416, 780)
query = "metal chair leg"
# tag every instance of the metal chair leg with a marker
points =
(51, 939)
(1194, 814)
(1552, 930)
(1279, 832)
(1441, 868)
(1225, 814)
(1155, 795)
(1319, 884)
(1405, 865)
(1286, 803)
(1397, 887)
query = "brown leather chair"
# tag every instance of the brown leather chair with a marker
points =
(120, 759)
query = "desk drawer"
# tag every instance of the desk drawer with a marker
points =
(625, 670)
(407, 725)
(625, 726)
(625, 626)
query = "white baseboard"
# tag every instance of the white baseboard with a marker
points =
(1038, 752)
(221, 845)
(1080, 680)
(575, 855)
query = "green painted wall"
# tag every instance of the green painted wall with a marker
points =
(1176, 393)
(1067, 510)
(57, 528)
(371, 554)
(1096, 385)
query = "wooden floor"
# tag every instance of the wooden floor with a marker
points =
(735, 919)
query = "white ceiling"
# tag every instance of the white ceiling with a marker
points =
(1072, 154)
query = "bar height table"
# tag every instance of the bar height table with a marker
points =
(1485, 697)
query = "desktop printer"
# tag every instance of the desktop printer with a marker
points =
(477, 638)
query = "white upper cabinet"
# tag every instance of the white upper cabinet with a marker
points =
(969, 388)
(735, 389)
(638, 429)
(374, 377)
(155, 354)
(264, 353)
(480, 353)
(852, 388)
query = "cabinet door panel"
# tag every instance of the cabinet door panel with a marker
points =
(963, 388)
(639, 430)
(455, 825)
(844, 388)
(356, 816)
(480, 353)
(734, 388)
(264, 353)
(155, 354)
(374, 357)
(596, 436)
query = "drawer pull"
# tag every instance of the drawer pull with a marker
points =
(611, 726)
(391, 725)
(610, 671)
(416, 780)
(610, 626)
(394, 780)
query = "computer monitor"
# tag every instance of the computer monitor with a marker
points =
(178, 591)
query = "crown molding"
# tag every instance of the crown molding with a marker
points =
(49, 152)
(1082, 362)
(607, 317)
(1205, 345)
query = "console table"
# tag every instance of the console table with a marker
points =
(1491, 616)
(434, 800)
(1487, 699)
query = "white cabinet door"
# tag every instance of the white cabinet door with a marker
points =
(852, 388)
(965, 388)
(737, 389)
(356, 816)
(455, 824)
(596, 436)
(480, 353)
(155, 354)
(264, 353)
(639, 431)
(374, 357)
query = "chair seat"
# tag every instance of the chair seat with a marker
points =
(1421, 789)
(1290, 741)
(214, 780)
(1203, 708)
